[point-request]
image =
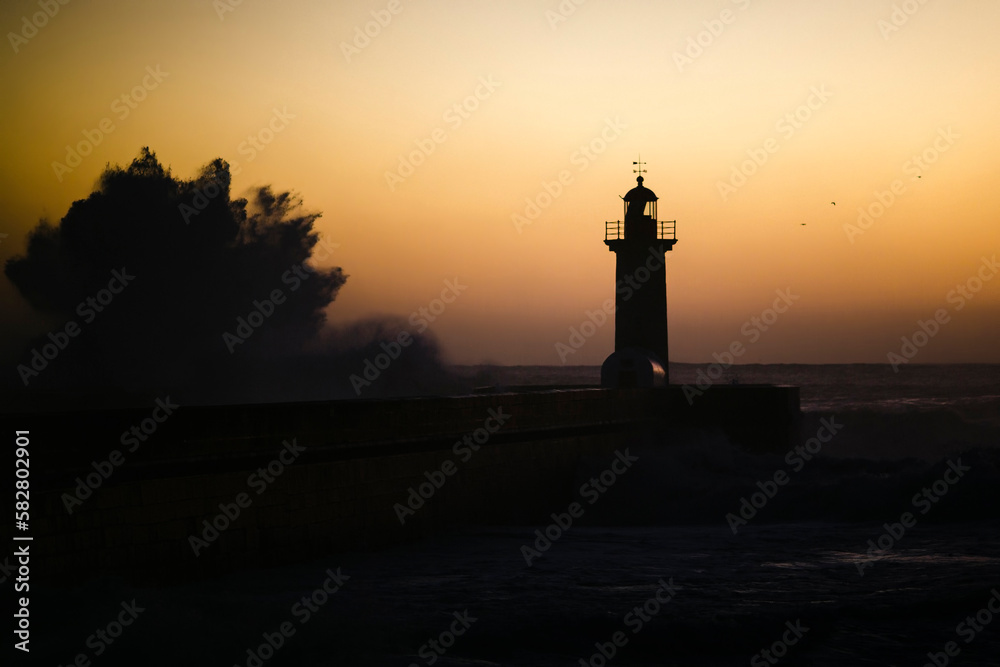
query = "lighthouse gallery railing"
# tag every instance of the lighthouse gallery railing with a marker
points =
(666, 230)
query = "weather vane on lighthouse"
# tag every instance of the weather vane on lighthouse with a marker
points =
(640, 244)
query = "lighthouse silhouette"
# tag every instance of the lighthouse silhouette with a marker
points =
(640, 244)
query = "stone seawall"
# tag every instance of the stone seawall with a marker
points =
(212, 489)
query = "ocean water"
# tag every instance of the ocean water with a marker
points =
(881, 546)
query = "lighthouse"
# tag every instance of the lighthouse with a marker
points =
(640, 243)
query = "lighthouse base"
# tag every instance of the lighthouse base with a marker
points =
(633, 367)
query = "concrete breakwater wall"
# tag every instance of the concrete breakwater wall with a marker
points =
(170, 493)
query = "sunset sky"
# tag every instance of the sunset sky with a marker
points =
(425, 145)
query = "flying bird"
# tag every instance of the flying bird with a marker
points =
(834, 203)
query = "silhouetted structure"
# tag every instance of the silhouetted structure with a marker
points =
(640, 244)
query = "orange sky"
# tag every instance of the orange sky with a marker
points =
(834, 98)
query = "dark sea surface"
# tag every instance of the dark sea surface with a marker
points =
(795, 576)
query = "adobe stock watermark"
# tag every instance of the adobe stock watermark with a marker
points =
(779, 649)
(259, 481)
(255, 143)
(578, 336)
(914, 167)
(433, 649)
(454, 117)
(927, 329)
(635, 621)
(697, 44)
(900, 16)
(104, 637)
(627, 286)
(968, 630)
(464, 449)
(786, 126)
(223, 7)
(302, 611)
(294, 277)
(22, 617)
(796, 458)
(581, 158)
(7, 570)
(37, 21)
(363, 35)
(87, 309)
(924, 501)
(752, 329)
(591, 490)
(564, 10)
(250, 147)
(122, 106)
(202, 197)
(420, 320)
(132, 438)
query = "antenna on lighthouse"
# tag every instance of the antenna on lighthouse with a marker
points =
(640, 170)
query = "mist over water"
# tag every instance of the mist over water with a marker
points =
(157, 285)
(897, 431)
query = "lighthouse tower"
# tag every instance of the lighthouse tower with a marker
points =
(640, 244)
